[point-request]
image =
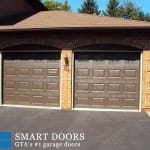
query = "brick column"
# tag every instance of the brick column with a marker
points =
(66, 80)
(146, 80)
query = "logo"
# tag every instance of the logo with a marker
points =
(5, 140)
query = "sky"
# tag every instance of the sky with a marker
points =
(143, 4)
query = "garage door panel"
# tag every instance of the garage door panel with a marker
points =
(98, 87)
(32, 92)
(23, 98)
(107, 104)
(83, 72)
(97, 101)
(98, 73)
(113, 102)
(114, 73)
(82, 101)
(10, 91)
(113, 87)
(52, 72)
(52, 100)
(27, 65)
(10, 71)
(23, 71)
(109, 65)
(130, 88)
(110, 80)
(37, 72)
(52, 86)
(11, 99)
(37, 99)
(82, 86)
(129, 103)
(10, 84)
(130, 73)
(37, 85)
(32, 79)
(23, 85)
(104, 81)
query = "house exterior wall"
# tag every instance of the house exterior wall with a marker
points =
(76, 39)
(66, 79)
(70, 40)
(146, 80)
(13, 7)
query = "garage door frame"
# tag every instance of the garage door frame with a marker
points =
(28, 106)
(99, 109)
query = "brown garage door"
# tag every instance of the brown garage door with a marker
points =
(107, 80)
(31, 79)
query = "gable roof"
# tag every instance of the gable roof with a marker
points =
(67, 20)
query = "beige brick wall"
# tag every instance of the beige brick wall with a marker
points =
(66, 80)
(146, 80)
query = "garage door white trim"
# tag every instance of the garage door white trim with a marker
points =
(25, 106)
(116, 110)
(141, 77)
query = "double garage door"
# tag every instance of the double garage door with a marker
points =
(101, 80)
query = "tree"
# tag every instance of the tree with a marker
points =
(54, 5)
(147, 17)
(129, 10)
(141, 16)
(89, 7)
(65, 6)
(112, 8)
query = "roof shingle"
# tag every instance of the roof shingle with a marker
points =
(63, 20)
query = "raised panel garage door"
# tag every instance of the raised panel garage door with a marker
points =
(31, 79)
(107, 80)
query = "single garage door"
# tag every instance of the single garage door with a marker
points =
(107, 80)
(31, 79)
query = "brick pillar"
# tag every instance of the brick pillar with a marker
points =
(66, 80)
(146, 80)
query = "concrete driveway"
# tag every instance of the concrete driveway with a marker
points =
(102, 130)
